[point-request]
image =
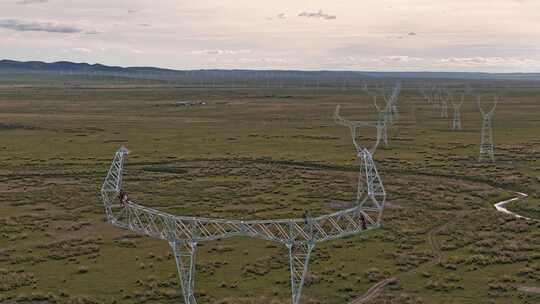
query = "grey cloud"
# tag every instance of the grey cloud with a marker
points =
(409, 34)
(24, 2)
(23, 26)
(318, 14)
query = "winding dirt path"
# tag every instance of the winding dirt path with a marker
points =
(376, 289)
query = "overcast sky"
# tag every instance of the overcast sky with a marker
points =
(436, 35)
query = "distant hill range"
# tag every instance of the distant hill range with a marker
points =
(84, 68)
(67, 66)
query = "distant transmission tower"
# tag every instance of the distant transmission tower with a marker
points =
(383, 115)
(486, 140)
(456, 106)
(384, 119)
(392, 99)
(426, 92)
(389, 113)
(299, 235)
(443, 100)
(432, 94)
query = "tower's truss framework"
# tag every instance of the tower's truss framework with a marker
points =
(299, 235)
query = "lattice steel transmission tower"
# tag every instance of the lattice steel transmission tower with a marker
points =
(370, 190)
(487, 152)
(299, 235)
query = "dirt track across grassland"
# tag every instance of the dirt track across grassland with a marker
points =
(378, 287)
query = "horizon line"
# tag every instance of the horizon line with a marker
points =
(266, 69)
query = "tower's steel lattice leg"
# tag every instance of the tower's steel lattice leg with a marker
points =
(456, 124)
(373, 202)
(184, 254)
(385, 136)
(444, 109)
(113, 185)
(361, 189)
(299, 255)
(486, 142)
(395, 111)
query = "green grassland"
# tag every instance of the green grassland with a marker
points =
(261, 153)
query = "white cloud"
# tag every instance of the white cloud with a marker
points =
(372, 59)
(398, 59)
(24, 2)
(487, 61)
(263, 60)
(220, 52)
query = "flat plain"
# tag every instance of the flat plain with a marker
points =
(263, 153)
